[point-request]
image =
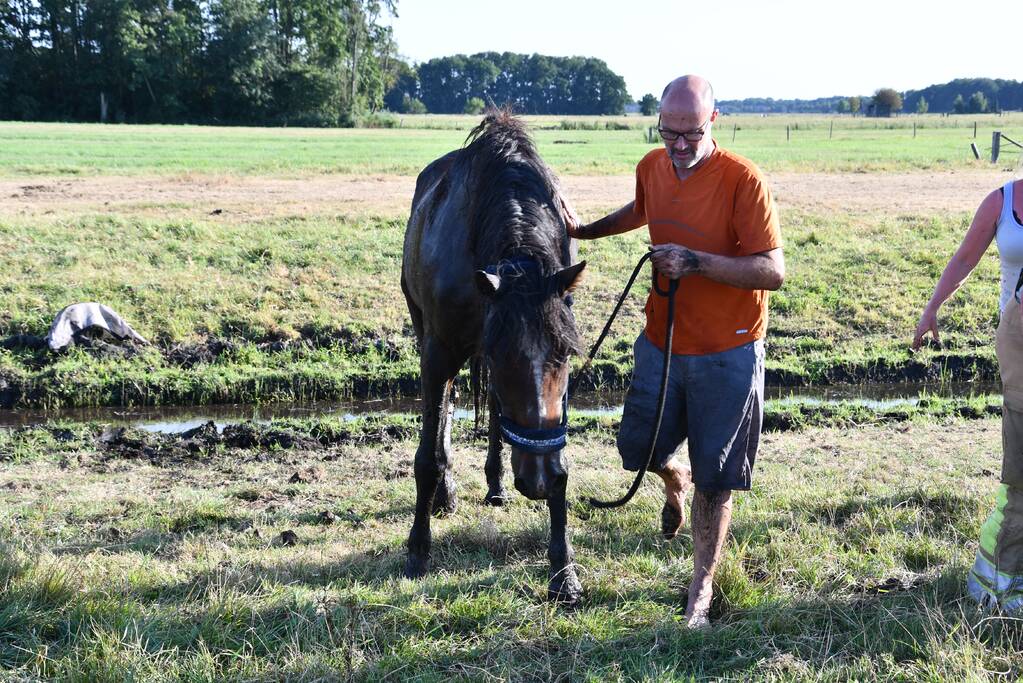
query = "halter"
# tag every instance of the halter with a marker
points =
(535, 441)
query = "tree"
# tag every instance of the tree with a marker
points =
(886, 102)
(842, 106)
(921, 105)
(854, 104)
(474, 105)
(958, 105)
(648, 105)
(977, 104)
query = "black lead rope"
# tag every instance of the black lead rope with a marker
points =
(669, 334)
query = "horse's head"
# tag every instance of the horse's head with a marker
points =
(528, 337)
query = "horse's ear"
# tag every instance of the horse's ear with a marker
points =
(487, 283)
(568, 278)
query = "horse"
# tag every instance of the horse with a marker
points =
(487, 273)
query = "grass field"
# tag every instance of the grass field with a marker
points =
(140, 558)
(858, 145)
(846, 562)
(313, 308)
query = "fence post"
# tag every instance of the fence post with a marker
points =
(974, 130)
(996, 144)
(787, 135)
(976, 152)
(914, 129)
(733, 132)
(831, 129)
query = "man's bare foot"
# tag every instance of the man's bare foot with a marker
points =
(698, 621)
(677, 479)
(671, 521)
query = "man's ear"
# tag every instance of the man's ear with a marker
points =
(567, 279)
(488, 285)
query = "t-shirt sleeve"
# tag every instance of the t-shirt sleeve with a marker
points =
(640, 202)
(756, 216)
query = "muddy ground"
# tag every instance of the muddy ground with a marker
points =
(256, 197)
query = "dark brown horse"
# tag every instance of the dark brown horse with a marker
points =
(487, 270)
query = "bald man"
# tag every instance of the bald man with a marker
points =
(714, 226)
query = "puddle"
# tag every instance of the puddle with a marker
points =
(175, 419)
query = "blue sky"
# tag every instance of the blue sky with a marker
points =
(781, 49)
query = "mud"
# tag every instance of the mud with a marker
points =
(206, 441)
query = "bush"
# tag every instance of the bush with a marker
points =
(378, 120)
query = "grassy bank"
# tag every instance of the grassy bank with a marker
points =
(846, 561)
(581, 145)
(309, 307)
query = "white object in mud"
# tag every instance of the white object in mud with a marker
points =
(78, 317)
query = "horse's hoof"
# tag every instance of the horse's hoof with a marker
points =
(416, 567)
(565, 588)
(496, 498)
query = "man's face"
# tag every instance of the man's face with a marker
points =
(686, 154)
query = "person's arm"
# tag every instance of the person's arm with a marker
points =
(764, 270)
(976, 241)
(622, 220)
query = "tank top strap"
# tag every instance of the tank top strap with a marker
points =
(1006, 217)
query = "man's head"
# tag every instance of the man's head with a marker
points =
(687, 110)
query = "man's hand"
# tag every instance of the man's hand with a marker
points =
(673, 261)
(572, 223)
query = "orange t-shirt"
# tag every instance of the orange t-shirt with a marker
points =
(724, 208)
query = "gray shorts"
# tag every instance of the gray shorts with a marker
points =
(715, 400)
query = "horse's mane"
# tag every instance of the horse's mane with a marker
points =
(515, 213)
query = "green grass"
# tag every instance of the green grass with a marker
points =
(313, 306)
(846, 562)
(858, 145)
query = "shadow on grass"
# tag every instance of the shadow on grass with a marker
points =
(483, 608)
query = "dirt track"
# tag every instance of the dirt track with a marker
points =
(255, 197)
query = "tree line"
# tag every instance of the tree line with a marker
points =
(260, 62)
(532, 84)
(277, 62)
(960, 96)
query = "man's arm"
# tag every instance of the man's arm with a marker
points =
(622, 220)
(765, 270)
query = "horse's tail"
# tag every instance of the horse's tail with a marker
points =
(479, 378)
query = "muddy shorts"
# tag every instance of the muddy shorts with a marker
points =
(996, 579)
(716, 401)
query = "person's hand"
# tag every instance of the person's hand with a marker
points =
(573, 225)
(928, 323)
(673, 261)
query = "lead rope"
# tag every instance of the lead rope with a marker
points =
(669, 334)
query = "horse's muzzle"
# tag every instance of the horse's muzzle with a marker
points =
(539, 477)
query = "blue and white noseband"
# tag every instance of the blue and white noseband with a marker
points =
(537, 441)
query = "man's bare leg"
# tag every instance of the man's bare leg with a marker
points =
(712, 513)
(677, 479)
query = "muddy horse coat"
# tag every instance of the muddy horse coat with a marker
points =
(487, 270)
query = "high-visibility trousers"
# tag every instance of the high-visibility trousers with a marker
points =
(996, 579)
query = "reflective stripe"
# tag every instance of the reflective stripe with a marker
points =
(993, 524)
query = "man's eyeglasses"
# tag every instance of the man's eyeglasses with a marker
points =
(669, 135)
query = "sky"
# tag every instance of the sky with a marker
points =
(783, 49)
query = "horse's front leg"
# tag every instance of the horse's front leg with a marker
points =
(564, 586)
(431, 463)
(496, 494)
